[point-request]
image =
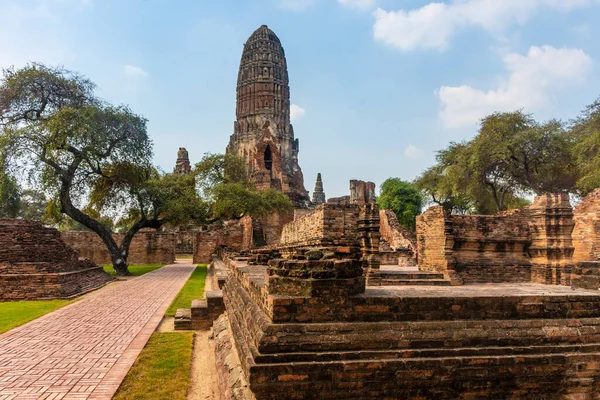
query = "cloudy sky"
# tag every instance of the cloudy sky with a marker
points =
(377, 86)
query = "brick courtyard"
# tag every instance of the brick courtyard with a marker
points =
(83, 351)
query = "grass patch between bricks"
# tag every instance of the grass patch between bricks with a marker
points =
(192, 290)
(162, 370)
(15, 313)
(134, 270)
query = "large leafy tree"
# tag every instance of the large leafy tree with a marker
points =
(585, 131)
(403, 199)
(53, 124)
(94, 161)
(511, 156)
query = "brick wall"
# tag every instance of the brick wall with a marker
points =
(36, 264)
(328, 224)
(474, 248)
(531, 244)
(397, 236)
(232, 234)
(146, 247)
(586, 233)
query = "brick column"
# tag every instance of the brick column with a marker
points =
(551, 251)
(368, 228)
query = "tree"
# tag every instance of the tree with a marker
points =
(10, 199)
(585, 132)
(512, 156)
(403, 199)
(94, 160)
(52, 123)
(223, 182)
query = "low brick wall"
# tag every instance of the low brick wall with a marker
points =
(531, 244)
(146, 247)
(328, 224)
(231, 235)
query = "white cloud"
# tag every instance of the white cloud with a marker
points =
(433, 25)
(358, 4)
(296, 112)
(533, 79)
(134, 72)
(412, 151)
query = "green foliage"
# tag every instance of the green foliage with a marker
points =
(403, 199)
(223, 182)
(585, 131)
(10, 198)
(512, 156)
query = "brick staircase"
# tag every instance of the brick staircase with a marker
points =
(392, 275)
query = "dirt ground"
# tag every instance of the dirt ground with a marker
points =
(204, 385)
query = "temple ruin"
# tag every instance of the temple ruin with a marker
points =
(340, 301)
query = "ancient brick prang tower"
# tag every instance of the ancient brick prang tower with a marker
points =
(182, 166)
(263, 134)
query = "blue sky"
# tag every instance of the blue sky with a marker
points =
(379, 85)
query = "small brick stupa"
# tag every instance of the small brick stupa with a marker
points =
(36, 264)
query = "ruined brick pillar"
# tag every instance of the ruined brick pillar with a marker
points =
(315, 278)
(363, 194)
(551, 225)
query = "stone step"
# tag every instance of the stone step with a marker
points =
(416, 282)
(183, 319)
(433, 353)
(410, 275)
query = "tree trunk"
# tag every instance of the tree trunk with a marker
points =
(119, 263)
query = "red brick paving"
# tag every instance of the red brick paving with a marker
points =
(84, 350)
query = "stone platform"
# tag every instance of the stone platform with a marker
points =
(474, 341)
(36, 264)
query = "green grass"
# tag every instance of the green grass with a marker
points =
(192, 290)
(134, 270)
(162, 370)
(13, 314)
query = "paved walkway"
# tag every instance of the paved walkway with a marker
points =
(84, 350)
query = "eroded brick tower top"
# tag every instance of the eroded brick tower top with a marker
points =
(263, 134)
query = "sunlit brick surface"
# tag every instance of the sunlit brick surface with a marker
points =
(83, 351)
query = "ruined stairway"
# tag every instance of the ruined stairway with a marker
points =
(392, 275)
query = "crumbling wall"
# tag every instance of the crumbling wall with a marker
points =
(433, 241)
(36, 264)
(328, 224)
(530, 244)
(474, 248)
(230, 235)
(586, 233)
(397, 236)
(146, 247)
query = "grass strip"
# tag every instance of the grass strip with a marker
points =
(134, 270)
(192, 290)
(15, 313)
(162, 370)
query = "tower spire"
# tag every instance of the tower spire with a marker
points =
(318, 194)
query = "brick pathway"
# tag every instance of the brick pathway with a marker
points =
(84, 350)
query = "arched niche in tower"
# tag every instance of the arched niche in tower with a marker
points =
(268, 158)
